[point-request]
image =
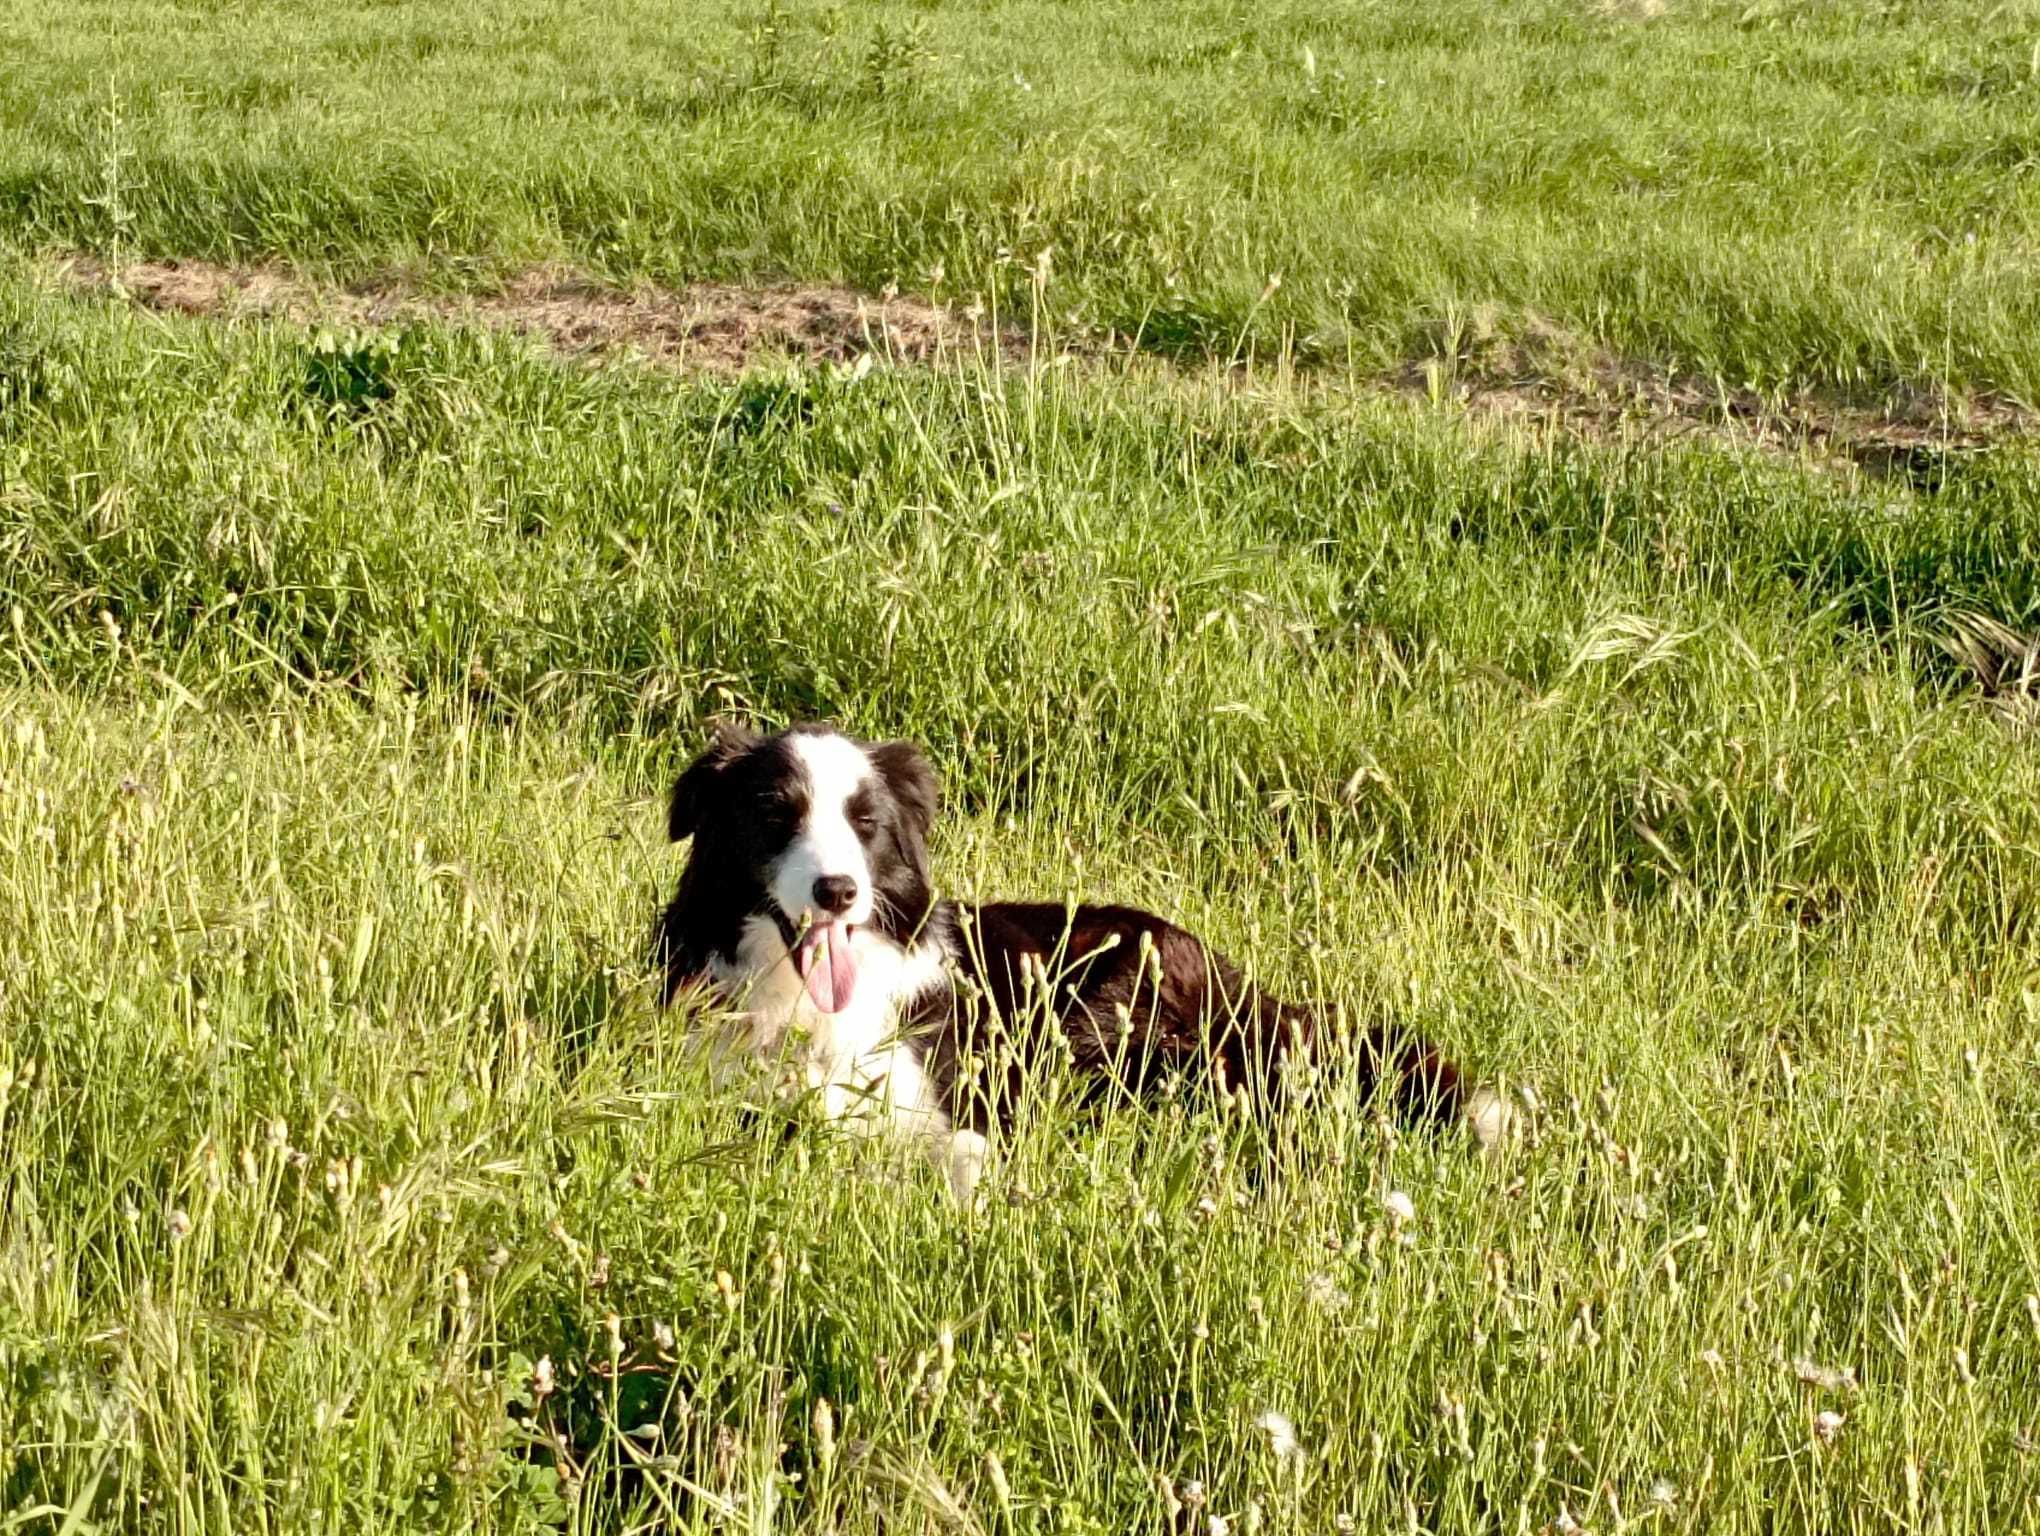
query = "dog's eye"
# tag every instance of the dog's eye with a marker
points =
(863, 823)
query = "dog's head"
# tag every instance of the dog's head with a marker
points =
(822, 833)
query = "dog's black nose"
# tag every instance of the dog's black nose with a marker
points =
(834, 893)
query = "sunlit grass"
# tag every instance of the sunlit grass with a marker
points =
(350, 1178)
(1770, 196)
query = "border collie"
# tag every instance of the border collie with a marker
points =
(806, 911)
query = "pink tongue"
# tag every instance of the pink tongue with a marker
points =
(826, 963)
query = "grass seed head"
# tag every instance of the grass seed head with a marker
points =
(1827, 1378)
(1324, 1293)
(824, 1420)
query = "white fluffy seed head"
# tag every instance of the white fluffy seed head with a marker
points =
(1279, 1433)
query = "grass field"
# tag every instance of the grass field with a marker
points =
(348, 1179)
(1773, 193)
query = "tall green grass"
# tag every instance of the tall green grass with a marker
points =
(351, 1182)
(1773, 195)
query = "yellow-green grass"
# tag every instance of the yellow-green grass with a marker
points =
(1772, 195)
(340, 686)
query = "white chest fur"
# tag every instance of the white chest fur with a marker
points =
(853, 1059)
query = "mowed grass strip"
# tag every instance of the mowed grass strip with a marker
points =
(349, 1175)
(1776, 195)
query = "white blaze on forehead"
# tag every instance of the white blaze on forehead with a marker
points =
(836, 766)
(835, 769)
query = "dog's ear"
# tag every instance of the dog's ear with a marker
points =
(912, 781)
(692, 789)
(916, 796)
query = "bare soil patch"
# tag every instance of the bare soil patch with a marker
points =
(1536, 375)
(707, 327)
(1543, 376)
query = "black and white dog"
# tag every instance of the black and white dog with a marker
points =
(806, 910)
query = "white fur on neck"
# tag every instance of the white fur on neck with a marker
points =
(865, 1075)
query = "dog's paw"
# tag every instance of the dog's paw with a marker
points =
(963, 1161)
(1494, 1121)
